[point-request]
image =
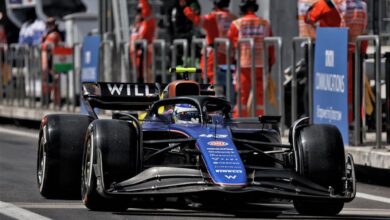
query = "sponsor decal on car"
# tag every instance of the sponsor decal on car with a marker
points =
(217, 143)
(231, 177)
(214, 135)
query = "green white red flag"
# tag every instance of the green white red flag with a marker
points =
(62, 59)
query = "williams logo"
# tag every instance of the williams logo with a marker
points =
(217, 143)
(128, 89)
(231, 177)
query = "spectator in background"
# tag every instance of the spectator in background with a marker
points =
(251, 26)
(144, 27)
(216, 24)
(50, 79)
(32, 29)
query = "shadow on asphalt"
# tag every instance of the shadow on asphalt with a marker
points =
(374, 176)
(268, 211)
(31, 124)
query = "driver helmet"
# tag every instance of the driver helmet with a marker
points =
(185, 114)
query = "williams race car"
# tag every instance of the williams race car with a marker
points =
(187, 146)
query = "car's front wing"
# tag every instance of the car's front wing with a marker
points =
(267, 182)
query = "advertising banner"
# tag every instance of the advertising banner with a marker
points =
(330, 95)
(90, 59)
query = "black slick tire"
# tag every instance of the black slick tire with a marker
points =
(322, 160)
(60, 148)
(111, 155)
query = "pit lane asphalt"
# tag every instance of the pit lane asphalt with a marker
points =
(18, 149)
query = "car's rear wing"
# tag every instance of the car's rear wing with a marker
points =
(120, 96)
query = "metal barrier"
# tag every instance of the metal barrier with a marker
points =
(162, 45)
(43, 96)
(358, 92)
(227, 44)
(175, 45)
(16, 87)
(277, 41)
(77, 49)
(194, 43)
(144, 45)
(387, 79)
(124, 52)
(21, 82)
(33, 70)
(20, 75)
(105, 74)
(294, 84)
(251, 43)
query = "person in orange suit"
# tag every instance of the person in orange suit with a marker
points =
(325, 12)
(355, 20)
(50, 80)
(305, 29)
(250, 26)
(144, 28)
(216, 24)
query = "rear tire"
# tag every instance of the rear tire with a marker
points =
(321, 160)
(60, 147)
(111, 149)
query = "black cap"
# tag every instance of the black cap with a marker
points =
(246, 4)
(221, 3)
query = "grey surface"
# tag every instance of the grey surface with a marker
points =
(18, 186)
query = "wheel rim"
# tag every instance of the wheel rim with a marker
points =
(41, 164)
(86, 173)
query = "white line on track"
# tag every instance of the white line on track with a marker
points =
(45, 205)
(12, 131)
(19, 213)
(373, 197)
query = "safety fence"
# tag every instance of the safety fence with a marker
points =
(26, 83)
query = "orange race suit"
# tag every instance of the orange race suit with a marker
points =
(143, 29)
(251, 26)
(216, 24)
(325, 12)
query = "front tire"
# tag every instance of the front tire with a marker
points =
(111, 155)
(322, 160)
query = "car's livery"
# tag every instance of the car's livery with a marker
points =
(205, 154)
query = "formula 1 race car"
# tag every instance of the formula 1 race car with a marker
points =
(187, 146)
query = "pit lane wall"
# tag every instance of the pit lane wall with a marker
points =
(24, 97)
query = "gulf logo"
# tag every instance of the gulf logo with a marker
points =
(217, 143)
